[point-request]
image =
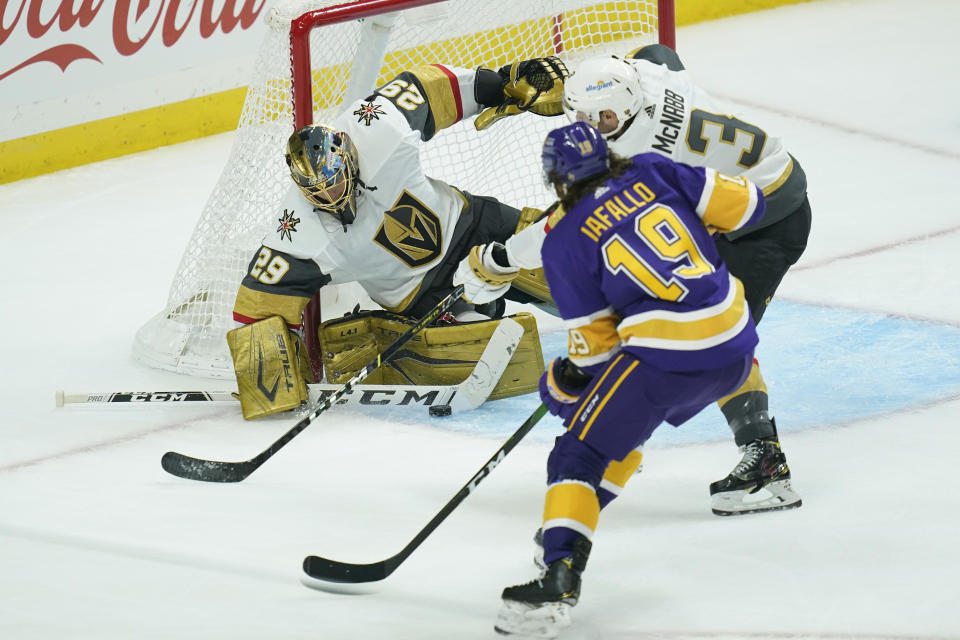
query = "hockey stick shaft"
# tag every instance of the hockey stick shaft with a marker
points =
(326, 570)
(216, 471)
(361, 394)
(143, 397)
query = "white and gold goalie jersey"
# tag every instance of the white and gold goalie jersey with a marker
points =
(685, 123)
(405, 220)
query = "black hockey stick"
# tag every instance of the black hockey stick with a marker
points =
(327, 570)
(215, 471)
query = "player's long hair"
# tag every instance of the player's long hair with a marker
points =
(575, 192)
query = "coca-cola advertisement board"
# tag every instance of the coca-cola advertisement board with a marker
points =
(65, 62)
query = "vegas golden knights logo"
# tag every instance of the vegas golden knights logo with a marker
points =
(411, 232)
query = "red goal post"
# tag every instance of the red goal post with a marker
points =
(319, 56)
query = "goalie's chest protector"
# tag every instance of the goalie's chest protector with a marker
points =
(404, 219)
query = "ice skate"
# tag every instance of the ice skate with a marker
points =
(541, 608)
(759, 482)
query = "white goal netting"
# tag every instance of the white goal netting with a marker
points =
(348, 60)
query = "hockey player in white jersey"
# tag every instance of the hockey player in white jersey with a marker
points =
(360, 208)
(645, 102)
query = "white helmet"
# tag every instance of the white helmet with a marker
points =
(603, 83)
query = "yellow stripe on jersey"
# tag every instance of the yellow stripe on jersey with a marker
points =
(439, 88)
(258, 304)
(572, 504)
(776, 184)
(593, 339)
(689, 330)
(727, 202)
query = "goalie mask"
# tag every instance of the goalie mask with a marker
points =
(571, 154)
(604, 83)
(323, 163)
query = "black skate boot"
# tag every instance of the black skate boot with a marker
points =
(541, 608)
(759, 482)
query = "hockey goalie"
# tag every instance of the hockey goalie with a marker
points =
(360, 208)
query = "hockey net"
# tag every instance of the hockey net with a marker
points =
(347, 50)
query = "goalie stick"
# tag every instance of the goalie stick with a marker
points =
(320, 571)
(469, 394)
(363, 394)
(191, 468)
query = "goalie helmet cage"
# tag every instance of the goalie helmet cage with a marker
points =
(318, 57)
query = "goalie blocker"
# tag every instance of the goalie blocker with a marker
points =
(270, 374)
(437, 355)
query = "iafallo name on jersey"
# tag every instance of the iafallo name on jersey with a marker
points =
(615, 208)
(671, 121)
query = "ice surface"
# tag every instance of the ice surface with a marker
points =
(860, 350)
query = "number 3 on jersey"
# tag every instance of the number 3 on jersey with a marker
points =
(664, 233)
(728, 128)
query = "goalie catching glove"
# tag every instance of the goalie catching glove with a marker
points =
(485, 273)
(266, 360)
(561, 385)
(529, 85)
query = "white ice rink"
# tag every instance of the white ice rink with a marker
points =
(861, 350)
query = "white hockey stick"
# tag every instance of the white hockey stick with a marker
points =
(469, 394)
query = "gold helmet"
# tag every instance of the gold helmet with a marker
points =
(323, 163)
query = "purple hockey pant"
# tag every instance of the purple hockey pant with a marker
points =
(617, 413)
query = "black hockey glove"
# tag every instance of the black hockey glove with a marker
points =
(561, 385)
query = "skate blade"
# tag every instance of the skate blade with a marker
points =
(524, 620)
(775, 496)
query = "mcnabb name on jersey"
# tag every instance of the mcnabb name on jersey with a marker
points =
(671, 121)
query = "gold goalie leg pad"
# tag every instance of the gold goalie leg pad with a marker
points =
(443, 355)
(267, 365)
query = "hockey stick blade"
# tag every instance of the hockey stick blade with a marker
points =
(476, 388)
(191, 468)
(323, 570)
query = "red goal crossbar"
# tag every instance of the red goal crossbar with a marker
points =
(301, 27)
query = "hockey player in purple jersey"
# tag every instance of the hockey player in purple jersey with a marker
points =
(658, 330)
(646, 102)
